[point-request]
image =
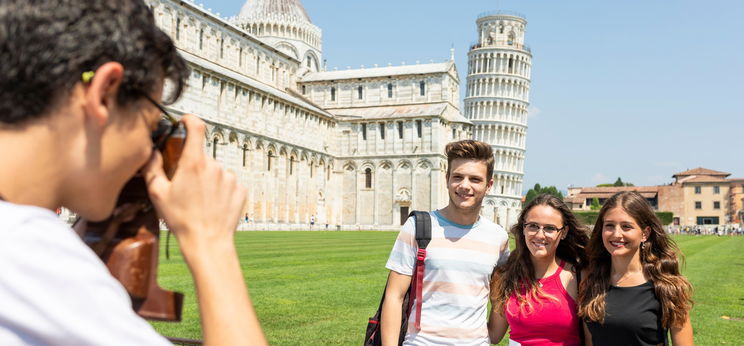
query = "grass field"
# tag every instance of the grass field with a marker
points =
(319, 288)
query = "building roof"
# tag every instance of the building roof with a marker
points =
(614, 189)
(399, 111)
(701, 171)
(267, 8)
(607, 192)
(252, 82)
(431, 68)
(736, 180)
(703, 179)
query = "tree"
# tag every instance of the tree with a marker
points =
(595, 204)
(618, 182)
(538, 190)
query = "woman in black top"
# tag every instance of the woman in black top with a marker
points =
(633, 293)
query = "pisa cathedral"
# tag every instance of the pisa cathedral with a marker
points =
(354, 148)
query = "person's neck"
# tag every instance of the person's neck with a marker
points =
(626, 266)
(544, 266)
(460, 216)
(30, 174)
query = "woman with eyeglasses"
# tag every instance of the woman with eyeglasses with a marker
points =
(534, 294)
(634, 293)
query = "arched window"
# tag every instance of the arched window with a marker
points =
(245, 149)
(222, 48)
(510, 41)
(333, 94)
(304, 90)
(268, 163)
(382, 131)
(291, 165)
(178, 28)
(214, 147)
(422, 88)
(360, 92)
(390, 90)
(368, 178)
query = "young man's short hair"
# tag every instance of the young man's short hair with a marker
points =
(470, 149)
(46, 45)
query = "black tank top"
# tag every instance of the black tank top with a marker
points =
(632, 317)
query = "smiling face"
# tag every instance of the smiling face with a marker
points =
(467, 184)
(621, 234)
(543, 244)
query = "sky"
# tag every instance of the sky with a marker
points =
(637, 89)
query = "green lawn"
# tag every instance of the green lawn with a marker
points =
(319, 288)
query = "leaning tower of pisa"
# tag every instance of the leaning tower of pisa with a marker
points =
(496, 101)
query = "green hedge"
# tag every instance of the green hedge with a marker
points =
(590, 217)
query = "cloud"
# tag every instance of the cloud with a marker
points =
(599, 178)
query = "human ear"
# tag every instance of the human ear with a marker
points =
(100, 93)
(646, 233)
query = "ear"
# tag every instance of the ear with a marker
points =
(646, 233)
(100, 94)
(490, 185)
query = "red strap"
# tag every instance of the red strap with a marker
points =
(420, 257)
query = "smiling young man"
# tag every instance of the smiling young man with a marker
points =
(79, 84)
(461, 256)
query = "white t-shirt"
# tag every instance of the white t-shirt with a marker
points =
(55, 291)
(457, 275)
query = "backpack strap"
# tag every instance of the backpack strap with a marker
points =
(423, 236)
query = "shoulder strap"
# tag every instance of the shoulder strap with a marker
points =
(423, 236)
(423, 227)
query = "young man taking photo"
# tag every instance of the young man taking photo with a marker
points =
(80, 83)
(464, 250)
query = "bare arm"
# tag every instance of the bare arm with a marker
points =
(201, 205)
(397, 286)
(682, 336)
(497, 325)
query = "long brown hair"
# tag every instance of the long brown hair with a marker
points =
(658, 258)
(518, 274)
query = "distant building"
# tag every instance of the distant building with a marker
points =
(698, 196)
(357, 148)
(736, 200)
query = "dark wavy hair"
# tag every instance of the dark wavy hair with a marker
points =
(46, 45)
(658, 258)
(518, 274)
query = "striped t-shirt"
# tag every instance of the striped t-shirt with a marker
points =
(458, 267)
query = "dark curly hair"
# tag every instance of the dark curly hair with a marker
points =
(46, 45)
(518, 273)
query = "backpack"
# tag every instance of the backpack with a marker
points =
(423, 236)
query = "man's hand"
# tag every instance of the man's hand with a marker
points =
(202, 205)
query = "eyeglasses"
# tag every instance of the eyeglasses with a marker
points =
(533, 227)
(167, 125)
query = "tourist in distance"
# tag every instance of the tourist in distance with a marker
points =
(462, 254)
(633, 292)
(78, 84)
(534, 294)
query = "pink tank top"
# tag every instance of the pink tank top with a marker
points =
(552, 323)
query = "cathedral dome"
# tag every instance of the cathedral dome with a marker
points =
(274, 8)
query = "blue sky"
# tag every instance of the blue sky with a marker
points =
(633, 89)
